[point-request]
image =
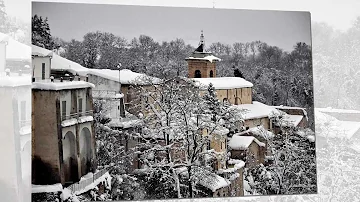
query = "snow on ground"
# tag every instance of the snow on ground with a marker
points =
(15, 50)
(126, 76)
(47, 188)
(223, 82)
(66, 193)
(65, 85)
(243, 142)
(104, 178)
(255, 110)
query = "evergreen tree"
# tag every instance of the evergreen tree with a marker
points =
(214, 105)
(41, 33)
(237, 73)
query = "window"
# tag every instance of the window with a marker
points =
(197, 74)
(23, 111)
(80, 105)
(211, 73)
(63, 110)
(43, 71)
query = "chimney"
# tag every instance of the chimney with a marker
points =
(52, 78)
(7, 72)
(61, 79)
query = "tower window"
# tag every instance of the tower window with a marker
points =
(211, 73)
(197, 74)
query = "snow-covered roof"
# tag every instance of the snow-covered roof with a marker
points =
(46, 188)
(14, 80)
(214, 182)
(65, 85)
(256, 110)
(209, 58)
(221, 131)
(14, 49)
(329, 109)
(258, 131)
(60, 63)
(287, 107)
(237, 164)
(243, 142)
(329, 126)
(124, 122)
(104, 94)
(126, 76)
(223, 82)
(291, 120)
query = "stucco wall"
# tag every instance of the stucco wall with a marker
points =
(265, 122)
(37, 67)
(204, 66)
(45, 135)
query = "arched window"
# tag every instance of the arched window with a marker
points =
(211, 73)
(237, 100)
(197, 74)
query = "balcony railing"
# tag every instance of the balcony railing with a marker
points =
(76, 115)
(81, 185)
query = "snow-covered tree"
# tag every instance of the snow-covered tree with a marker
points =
(175, 115)
(293, 167)
(41, 35)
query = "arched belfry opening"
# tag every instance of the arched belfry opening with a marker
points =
(202, 60)
(197, 74)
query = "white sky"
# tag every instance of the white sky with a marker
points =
(338, 13)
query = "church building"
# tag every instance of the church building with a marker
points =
(202, 68)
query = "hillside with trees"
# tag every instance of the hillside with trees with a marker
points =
(279, 77)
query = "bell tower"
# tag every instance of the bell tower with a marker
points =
(202, 64)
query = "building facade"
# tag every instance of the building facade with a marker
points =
(63, 139)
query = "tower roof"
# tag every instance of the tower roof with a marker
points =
(201, 47)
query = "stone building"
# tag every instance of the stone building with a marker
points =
(15, 124)
(63, 142)
(248, 149)
(202, 69)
